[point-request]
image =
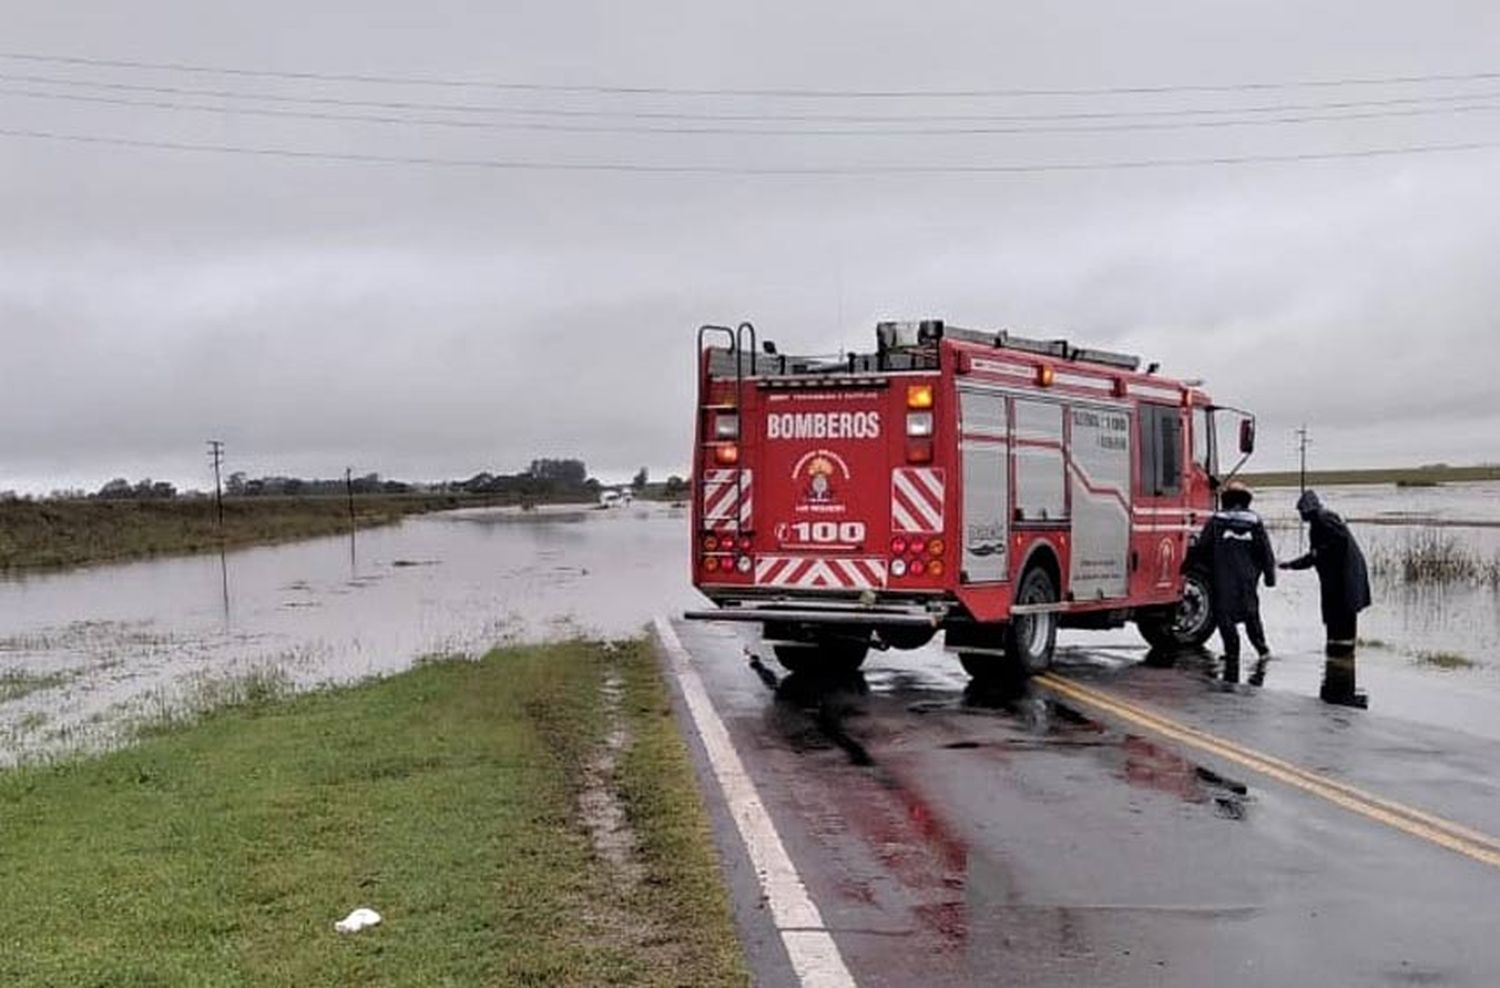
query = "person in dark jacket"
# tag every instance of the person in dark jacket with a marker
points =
(1344, 584)
(1235, 551)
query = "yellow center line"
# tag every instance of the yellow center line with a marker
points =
(1089, 694)
(1445, 833)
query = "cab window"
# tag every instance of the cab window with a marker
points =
(1203, 441)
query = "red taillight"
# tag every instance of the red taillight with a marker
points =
(917, 568)
(898, 546)
(745, 543)
(919, 451)
(918, 546)
(727, 454)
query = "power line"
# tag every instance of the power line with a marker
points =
(634, 114)
(744, 170)
(638, 90)
(532, 125)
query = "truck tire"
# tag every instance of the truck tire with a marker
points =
(1030, 638)
(1025, 644)
(821, 658)
(983, 666)
(904, 638)
(1186, 626)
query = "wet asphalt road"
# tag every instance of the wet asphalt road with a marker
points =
(951, 838)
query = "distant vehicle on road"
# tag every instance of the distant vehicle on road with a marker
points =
(615, 498)
(987, 485)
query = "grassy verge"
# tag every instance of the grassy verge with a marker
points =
(447, 798)
(50, 534)
(1407, 476)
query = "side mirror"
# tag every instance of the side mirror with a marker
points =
(1247, 436)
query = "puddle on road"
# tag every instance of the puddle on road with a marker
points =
(127, 641)
(926, 872)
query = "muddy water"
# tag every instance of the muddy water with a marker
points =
(90, 650)
(81, 653)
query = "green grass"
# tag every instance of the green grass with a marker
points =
(50, 534)
(446, 798)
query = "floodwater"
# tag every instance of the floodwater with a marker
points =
(82, 653)
(91, 650)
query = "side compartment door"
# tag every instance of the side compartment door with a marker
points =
(984, 452)
(1099, 489)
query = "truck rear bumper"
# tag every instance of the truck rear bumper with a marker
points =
(914, 615)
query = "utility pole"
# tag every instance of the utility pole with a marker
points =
(216, 453)
(349, 492)
(1302, 443)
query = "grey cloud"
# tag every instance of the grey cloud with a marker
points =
(431, 322)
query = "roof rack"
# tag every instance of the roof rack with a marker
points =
(927, 333)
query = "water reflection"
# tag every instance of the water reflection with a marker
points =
(224, 583)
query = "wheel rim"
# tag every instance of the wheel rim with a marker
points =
(1035, 629)
(1192, 610)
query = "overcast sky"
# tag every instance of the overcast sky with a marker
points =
(429, 321)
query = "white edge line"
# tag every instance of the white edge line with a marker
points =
(810, 947)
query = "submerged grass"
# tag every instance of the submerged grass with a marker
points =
(1444, 660)
(1430, 557)
(16, 683)
(446, 798)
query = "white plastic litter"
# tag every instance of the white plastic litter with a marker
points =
(357, 920)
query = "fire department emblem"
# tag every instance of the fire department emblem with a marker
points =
(820, 475)
(820, 480)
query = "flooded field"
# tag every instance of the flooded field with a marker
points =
(85, 653)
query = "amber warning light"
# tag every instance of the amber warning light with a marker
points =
(918, 396)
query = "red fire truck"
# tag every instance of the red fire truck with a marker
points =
(982, 484)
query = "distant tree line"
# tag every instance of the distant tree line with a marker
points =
(544, 479)
(240, 485)
(121, 489)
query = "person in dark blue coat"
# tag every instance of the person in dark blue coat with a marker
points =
(1344, 585)
(1234, 550)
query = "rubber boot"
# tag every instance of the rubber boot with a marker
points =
(1338, 677)
(1231, 673)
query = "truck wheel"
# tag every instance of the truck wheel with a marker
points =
(821, 657)
(906, 638)
(982, 666)
(992, 676)
(1188, 625)
(1030, 638)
